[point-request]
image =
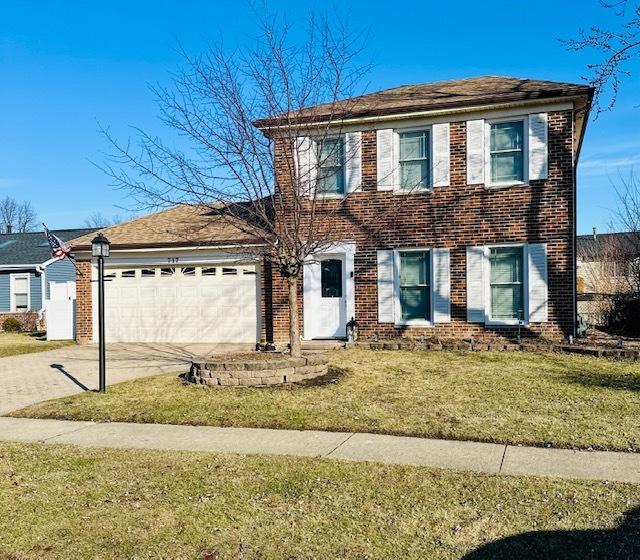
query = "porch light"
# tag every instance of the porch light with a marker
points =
(100, 246)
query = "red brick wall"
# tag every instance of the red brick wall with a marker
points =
(84, 307)
(455, 217)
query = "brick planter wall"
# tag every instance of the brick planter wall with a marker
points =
(256, 372)
(28, 319)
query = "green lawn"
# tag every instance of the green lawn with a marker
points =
(61, 502)
(12, 344)
(519, 398)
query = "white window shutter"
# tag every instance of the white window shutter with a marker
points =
(538, 146)
(306, 164)
(353, 163)
(386, 303)
(440, 164)
(475, 152)
(538, 290)
(441, 286)
(385, 159)
(475, 284)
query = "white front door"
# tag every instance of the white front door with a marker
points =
(325, 310)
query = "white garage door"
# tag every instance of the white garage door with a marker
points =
(181, 304)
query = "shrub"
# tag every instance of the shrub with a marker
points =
(623, 314)
(11, 324)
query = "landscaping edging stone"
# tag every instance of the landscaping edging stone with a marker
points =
(632, 355)
(256, 372)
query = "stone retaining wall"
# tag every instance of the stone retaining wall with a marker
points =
(257, 372)
(495, 346)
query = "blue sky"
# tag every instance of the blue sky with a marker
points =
(64, 66)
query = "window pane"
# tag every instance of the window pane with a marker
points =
(506, 166)
(506, 265)
(331, 181)
(331, 278)
(330, 153)
(506, 136)
(20, 285)
(506, 302)
(414, 303)
(21, 301)
(413, 145)
(413, 268)
(413, 174)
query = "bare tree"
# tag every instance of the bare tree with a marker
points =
(616, 48)
(627, 253)
(98, 220)
(17, 216)
(218, 104)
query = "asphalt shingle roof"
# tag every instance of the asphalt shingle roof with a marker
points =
(181, 225)
(482, 90)
(588, 246)
(32, 247)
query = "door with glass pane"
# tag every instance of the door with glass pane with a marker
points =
(325, 313)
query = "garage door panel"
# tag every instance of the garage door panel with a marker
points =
(182, 308)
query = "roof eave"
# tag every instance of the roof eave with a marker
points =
(418, 110)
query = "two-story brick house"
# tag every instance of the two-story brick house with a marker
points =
(456, 205)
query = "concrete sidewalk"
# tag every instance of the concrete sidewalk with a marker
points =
(462, 455)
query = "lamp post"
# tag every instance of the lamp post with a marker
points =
(100, 250)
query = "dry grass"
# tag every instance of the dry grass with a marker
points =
(518, 398)
(12, 344)
(60, 502)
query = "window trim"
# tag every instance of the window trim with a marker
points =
(525, 151)
(12, 279)
(396, 287)
(488, 320)
(316, 146)
(397, 188)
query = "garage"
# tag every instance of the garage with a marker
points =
(182, 303)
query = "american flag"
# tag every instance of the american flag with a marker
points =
(59, 248)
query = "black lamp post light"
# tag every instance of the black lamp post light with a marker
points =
(100, 250)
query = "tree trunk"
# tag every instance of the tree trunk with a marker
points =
(294, 327)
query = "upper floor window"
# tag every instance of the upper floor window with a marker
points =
(506, 158)
(413, 285)
(415, 148)
(331, 166)
(506, 283)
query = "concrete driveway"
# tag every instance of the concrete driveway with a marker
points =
(31, 378)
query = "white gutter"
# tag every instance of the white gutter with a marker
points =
(18, 266)
(178, 248)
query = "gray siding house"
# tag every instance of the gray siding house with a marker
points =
(27, 269)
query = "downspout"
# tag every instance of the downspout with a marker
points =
(43, 286)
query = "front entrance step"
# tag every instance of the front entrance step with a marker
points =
(322, 345)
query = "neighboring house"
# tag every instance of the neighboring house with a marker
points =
(605, 266)
(457, 218)
(27, 269)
